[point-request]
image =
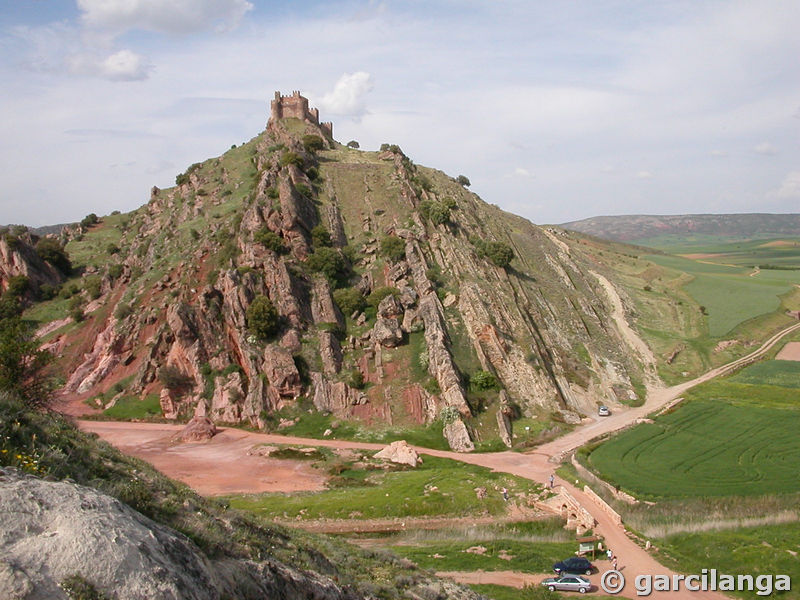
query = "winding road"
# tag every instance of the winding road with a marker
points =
(208, 467)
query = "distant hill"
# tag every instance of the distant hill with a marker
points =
(625, 228)
(43, 230)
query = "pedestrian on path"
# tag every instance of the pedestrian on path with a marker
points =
(609, 554)
(552, 480)
(504, 491)
(615, 563)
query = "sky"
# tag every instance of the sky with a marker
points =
(556, 111)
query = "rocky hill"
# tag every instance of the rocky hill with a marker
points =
(626, 228)
(295, 273)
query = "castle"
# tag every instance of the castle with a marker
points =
(297, 106)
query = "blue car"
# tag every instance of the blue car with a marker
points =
(574, 564)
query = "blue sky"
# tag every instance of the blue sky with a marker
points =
(554, 110)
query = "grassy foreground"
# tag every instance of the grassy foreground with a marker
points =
(369, 491)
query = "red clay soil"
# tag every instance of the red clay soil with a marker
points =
(223, 465)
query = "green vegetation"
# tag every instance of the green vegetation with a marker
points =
(393, 248)
(51, 250)
(437, 487)
(500, 253)
(270, 240)
(320, 237)
(781, 373)
(312, 143)
(525, 556)
(729, 294)
(735, 436)
(262, 317)
(750, 550)
(435, 211)
(132, 408)
(745, 251)
(22, 362)
(349, 300)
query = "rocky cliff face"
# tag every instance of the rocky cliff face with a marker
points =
(384, 276)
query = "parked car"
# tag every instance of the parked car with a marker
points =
(574, 564)
(603, 411)
(568, 583)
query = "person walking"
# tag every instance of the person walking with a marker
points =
(615, 563)
(504, 491)
(609, 553)
(552, 480)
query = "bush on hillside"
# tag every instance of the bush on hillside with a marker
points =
(50, 250)
(262, 318)
(320, 237)
(393, 248)
(269, 239)
(330, 262)
(349, 300)
(312, 143)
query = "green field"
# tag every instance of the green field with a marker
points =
(769, 249)
(729, 294)
(772, 549)
(437, 487)
(781, 373)
(708, 447)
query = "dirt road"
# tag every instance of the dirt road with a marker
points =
(224, 465)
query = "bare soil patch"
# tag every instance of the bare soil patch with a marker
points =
(228, 463)
(791, 351)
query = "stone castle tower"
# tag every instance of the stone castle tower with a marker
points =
(297, 106)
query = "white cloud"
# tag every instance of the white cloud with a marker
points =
(718, 153)
(766, 149)
(168, 16)
(347, 96)
(790, 188)
(124, 65)
(644, 175)
(520, 172)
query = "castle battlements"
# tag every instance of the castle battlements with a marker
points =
(296, 106)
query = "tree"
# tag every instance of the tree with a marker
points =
(22, 362)
(291, 158)
(262, 317)
(437, 213)
(50, 250)
(463, 180)
(320, 237)
(329, 262)
(349, 300)
(353, 144)
(90, 219)
(393, 248)
(269, 239)
(499, 253)
(312, 143)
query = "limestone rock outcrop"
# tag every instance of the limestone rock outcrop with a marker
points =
(198, 429)
(401, 453)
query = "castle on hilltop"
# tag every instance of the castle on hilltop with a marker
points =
(297, 106)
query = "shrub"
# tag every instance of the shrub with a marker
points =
(92, 285)
(349, 300)
(291, 158)
(356, 379)
(269, 239)
(78, 588)
(435, 212)
(17, 285)
(262, 317)
(303, 190)
(22, 362)
(123, 311)
(483, 380)
(353, 144)
(500, 253)
(393, 248)
(463, 180)
(312, 143)
(50, 250)
(112, 249)
(330, 262)
(393, 148)
(272, 193)
(378, 294)
(89, 220)
(174, 379)
(320, 237)
(47, 291)
(115, 271)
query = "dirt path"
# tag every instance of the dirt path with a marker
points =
(223, 465)
(628, 334)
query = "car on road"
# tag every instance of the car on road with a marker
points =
(568, 583)
(603, 411)
(574, 564)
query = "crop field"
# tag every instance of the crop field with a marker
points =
(782, 373)
(782, 251)
(766, 549)
(708, 447)
(730, 294)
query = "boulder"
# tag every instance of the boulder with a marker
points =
(401, 453)
(457, 436)
(199, 429)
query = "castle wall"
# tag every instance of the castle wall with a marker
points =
(296, 106)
